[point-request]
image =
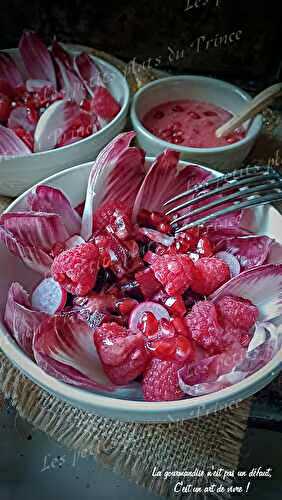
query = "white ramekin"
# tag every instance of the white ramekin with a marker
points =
(200, 88)
(18, 173)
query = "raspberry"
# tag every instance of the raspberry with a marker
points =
(205, 327)
(122, 352)
(175, 272)
(160, 382)
(237, 312)
(76, 269)
(116, 216)
(211, 274)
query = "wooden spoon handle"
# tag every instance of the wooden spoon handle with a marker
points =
(258, 104)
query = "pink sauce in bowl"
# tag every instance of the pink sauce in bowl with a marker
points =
(190, 123)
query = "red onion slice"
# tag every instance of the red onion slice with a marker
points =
(158, 311)
(231, 261)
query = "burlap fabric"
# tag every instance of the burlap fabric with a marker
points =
(134, 449)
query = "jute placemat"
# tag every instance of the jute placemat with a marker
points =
(134, 449)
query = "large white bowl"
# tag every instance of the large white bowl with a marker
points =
(19, 173)
(199, 88)
(74, 182)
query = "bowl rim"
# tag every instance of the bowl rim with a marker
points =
(102, 402)
(122, 111)
(252, 132)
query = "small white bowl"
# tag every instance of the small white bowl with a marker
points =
(18, 173)
(199, 88)
(74, 182)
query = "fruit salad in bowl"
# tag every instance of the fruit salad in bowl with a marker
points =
(51, 99)
(117, 310)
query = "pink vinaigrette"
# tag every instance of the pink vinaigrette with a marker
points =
(190, 123)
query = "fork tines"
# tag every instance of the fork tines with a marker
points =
(247, 187)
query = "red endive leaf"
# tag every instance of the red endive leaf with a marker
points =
(104, 104)
(9, 71)
(261, 285)
(63, 346)
(33, 85)
(251, 251)
(116, 174)
(11, 144)
(21, 117)
(35, 228)
(275, 254)
(59, 53)
(33, 257)
(69, 83)
(53, 123)
(88, 72)
(6, 88)
(163, 181)
(20, 318)
(48, 199)
(36, 57)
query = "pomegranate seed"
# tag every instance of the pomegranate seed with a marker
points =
(5, 108)
(25, 136)
(86, 104)
(187, 241)
(204, 247)
(166, 328)
(32, 115)
(177, 108)
(126, 306)
(184, 348)
(164, 227)
(176, 127)
(144, 217)
(193, 115)
(175, 305)
(159, 114)
(209, 113)
(177, 140)
(148, 324)
(230, 139)
(156, 218)
(165, 134)
(181, 326)
(162, 349)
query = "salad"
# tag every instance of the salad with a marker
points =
(123, 301)
(50, 98)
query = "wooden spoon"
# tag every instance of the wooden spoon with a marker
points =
(255, 106)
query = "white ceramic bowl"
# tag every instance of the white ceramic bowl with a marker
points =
(19, 173)
(74, 182)
(199, 88)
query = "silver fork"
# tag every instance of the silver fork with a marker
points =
(254, 185)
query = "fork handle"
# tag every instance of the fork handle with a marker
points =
(255, 106)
